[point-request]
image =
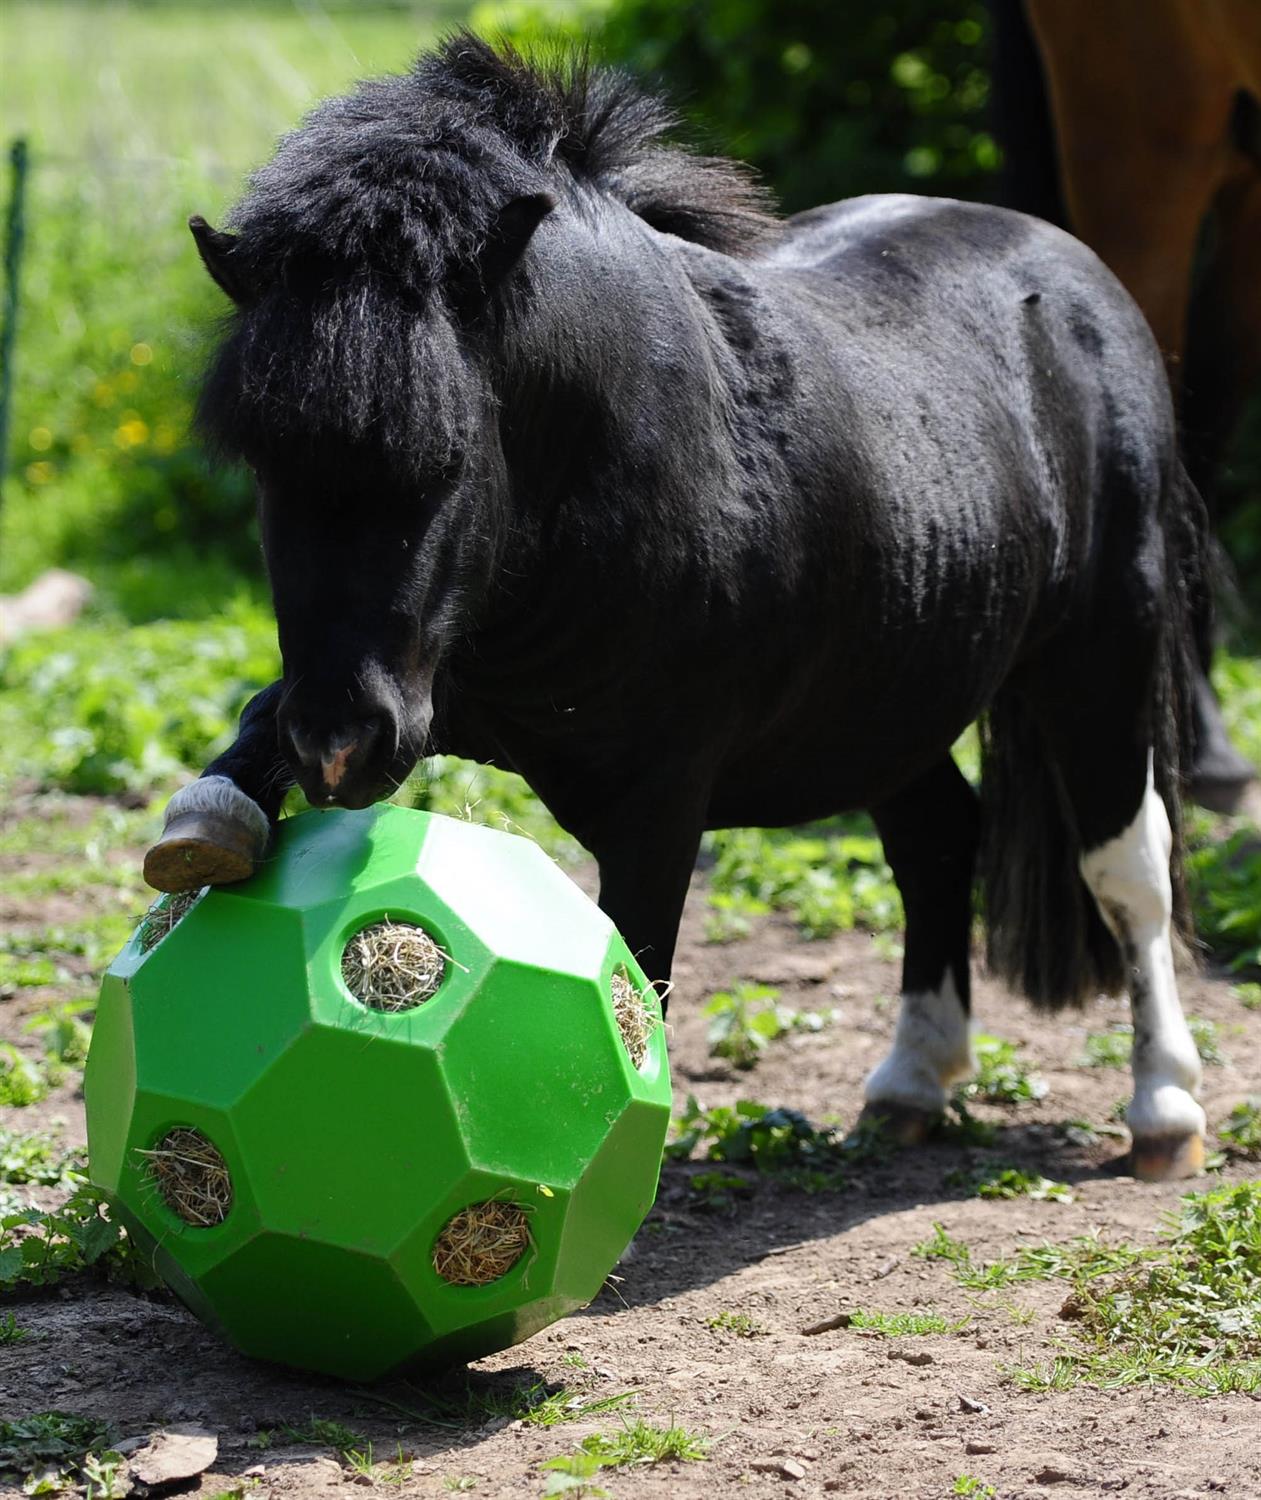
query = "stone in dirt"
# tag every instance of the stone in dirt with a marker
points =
(911, 1356)
(174, 1455)
(788, 1468)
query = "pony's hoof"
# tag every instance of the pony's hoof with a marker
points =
(1166, 1158)
(899, 1124)
(201, 848)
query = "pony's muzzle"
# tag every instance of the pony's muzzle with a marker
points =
(337, 766)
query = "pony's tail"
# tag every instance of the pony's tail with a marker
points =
(1044, 935)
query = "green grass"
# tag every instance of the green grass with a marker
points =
(1002, 1075)
(635, 1443)
(779, 1143)
(740, 1324)
(1241, 1131)
(903, 1324)
(48, 1450)
(1009, 1182)
(745, 1020)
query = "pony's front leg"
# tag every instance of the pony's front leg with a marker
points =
(930, 832)
(217, 827)
(646, 860)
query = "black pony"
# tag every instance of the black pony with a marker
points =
(573, 458)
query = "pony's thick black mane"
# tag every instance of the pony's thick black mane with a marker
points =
(352, 239)
(406, 175)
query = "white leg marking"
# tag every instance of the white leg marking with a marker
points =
(216, 794)
(1129, 878)
(930, 1050)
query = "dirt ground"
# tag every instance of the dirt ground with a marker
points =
(844, 1411)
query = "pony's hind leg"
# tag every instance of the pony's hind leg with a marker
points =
(930, 832)
(1128, 875)
(216, 828)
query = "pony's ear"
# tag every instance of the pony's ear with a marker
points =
(218, 253)
(512, 231)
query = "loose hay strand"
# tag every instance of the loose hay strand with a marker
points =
(189, 1171)
(393, 966)
(634, 1020)
(481, 1243)
(166, 913)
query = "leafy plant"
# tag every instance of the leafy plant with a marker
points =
(1002, 1077)
(828, 879)
(1225, 881)
(47, 1450)
(1010, 1182)
(968, 1484)
(748, 1018)
(22, 1081)
(901, 1324)
(41, 1249)
(777, 1142)
(635, 1443)
(10, 1333)
(741, 1324)
(65, 1033)
(1185, 1313)
(1242, 1130)
(36, 1158)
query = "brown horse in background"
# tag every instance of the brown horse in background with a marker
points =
(1137, 124)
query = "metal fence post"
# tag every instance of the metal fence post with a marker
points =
(14, 234)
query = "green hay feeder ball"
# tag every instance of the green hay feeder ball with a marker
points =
(399, 1099)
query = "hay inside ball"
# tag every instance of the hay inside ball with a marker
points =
(634, 1020)
(481, 1243)
(165, 915)
(189, 1171)
(393, 966)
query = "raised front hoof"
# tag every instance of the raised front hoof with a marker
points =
(899, 1124)
(200, 848)
(1167, 1158)
(1220, 778)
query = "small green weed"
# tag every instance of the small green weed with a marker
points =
(64, 1031)
(942, 1247)
(828, 879)
(46, 1451)
(1242, 1131)
(326, 1433)
(901, 1324)
(1109, 1049)
(463, 1484)
(741, 1324)
(968, 1484)
(719, 1192)
(636, 1443)
(747, 1019)
(22, 1081)
(1009, 1182)
(40, 1248)
(781, 1143)
(10, 1333)
(36, 1158)
(1225, 881)
(1002, 1076)
(1248, 995)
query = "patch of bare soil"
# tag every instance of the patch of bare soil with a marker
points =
(835, 1412)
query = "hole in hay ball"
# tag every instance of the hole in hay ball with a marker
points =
(393, 966)
(166, 913)
(634, 1020)
(481, 1243)
(188, 1169)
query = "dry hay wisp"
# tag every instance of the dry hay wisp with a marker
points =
(189, 1171)
(393, 966)
(166, 913)
(481, 1243)
(634, 1020)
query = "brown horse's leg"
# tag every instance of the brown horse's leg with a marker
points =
(1143, 131)
(1224, 351)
